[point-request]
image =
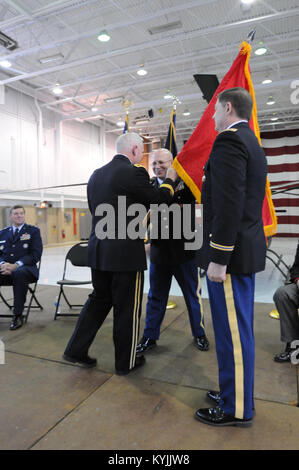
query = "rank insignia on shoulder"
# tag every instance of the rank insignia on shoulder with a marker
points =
(232, 129)
(139, 166)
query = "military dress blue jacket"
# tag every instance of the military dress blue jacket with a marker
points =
(27, 247)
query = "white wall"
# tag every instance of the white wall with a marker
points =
(67, 153)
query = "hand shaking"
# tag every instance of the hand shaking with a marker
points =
(172, 174)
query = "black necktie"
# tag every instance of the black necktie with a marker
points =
(16, 234)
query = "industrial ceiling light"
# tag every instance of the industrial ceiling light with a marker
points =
(141, 72)
(51, 58)
(5, 63)
(186, 113)
(94, 109)
(104, 36)
(120, 123)
(168, 95)
(261, 50)
(266, 81)
(274, 118)
(57, 90)
(270, 100)
(247, 2)
(114, 99)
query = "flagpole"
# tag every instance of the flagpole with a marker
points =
(170, 304)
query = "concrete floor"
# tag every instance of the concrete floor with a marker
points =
(48, 404)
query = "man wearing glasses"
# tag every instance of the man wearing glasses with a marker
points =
(170, 258)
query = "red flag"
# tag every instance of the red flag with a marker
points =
(190, 162)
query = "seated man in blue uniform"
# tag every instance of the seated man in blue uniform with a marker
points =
(20, 250)
(286, 299)
(234, 249)
(169, 258)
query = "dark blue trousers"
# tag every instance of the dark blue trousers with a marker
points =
(19, 281)
(188, 278)
(232, 305)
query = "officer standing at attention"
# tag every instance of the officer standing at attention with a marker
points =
(117, 261)
(234, 249)
(170, 258)
(20, 250)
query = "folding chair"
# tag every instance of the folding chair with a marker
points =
(77, 256)
(277, 261)
(31, 299)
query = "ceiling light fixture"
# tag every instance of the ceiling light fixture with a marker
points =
(51, 58)
(114, 99)
(186, 113)
(247, 2)
(274, 118)
(141, 72)
(266, 81)
(57, 90)
(120, 123)
(270, 100)
(5, 63)
(168, 96)
(94, 109)
(104, 36)
(261, 50)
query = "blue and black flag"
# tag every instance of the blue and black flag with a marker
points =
(171, 137)
(126, 126)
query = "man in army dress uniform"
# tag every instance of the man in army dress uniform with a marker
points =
(234, 249)
(170, 258)
(117, 261)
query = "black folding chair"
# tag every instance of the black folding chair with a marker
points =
(31, 289)
(77, 256)
(278, 261)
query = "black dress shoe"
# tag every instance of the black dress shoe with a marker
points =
(285, 356)
(217, 417)
(86, 361)
(214, 396)
(202, 343)
(145, 345)
(139, 362)
(16, 322)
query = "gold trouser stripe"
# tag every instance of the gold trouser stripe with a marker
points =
(135, 319)
(200, 299)
(237, 348)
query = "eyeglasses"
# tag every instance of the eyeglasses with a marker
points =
(158, 162)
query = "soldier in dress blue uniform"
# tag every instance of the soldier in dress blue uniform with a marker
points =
(118, 260)
(234, 249)
(20, 250)
(170, 258)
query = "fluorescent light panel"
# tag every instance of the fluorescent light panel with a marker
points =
(50, 58)
(114, 99)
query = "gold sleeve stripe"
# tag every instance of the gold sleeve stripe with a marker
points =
(221, 247)
(169, 187)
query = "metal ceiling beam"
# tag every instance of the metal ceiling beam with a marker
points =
(178, 59)
(110, 27)
(154, 43)
(19, 8)
(47, 10)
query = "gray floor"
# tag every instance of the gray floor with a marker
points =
(49, 404)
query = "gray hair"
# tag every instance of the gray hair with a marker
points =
(164, 152)
(125, 142)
